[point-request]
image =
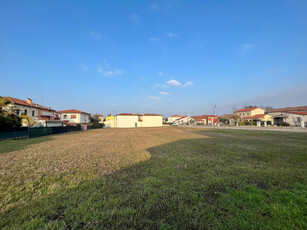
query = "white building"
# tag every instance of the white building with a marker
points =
(173, 118)
(133, 120)
(74, 116)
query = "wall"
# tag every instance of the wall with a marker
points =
(68, 118)
(251, 113)
(291, 117)
(29, 111)
(152, 121)
(84, 118)
(125, 121)
(171, 119)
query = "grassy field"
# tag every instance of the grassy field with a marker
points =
(155, 178)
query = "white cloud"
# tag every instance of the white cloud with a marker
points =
(96, 35)
(187, 84)
(154, 98)
(159, 85)
(84, 67)
(113, 72)
(134, 18)
(164, 93)
(171, 35)
(173, 83)
(100, 69)
(153, 39)
(246, 47)
(107, 71)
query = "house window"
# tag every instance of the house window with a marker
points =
(65, 116)
(247, 114)
(73, 116)
(243, 114)
(33, 113)
(25, 113)
(17, 112)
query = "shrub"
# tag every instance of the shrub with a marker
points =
(97, 125)
(284, 124)
(10, 121)
(241, 123)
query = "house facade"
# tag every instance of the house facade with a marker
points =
(173, 118)
(37, 113)
(249, 112)
(73, 116)
(133, 120)
(258, 117)
(295, 116)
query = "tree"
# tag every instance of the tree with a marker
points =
(223, 120)
(26, 121)
(94, 118)
(245, 106)
(267, 108)
(236, 117)
(8, 119)
(5, 104)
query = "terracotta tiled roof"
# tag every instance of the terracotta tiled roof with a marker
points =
(246, 109)
(25, 103)
(288, 109)
(152, 114)
(229, 116)
(176, 116)
(257, 116)
(297, 112)
(72, 111)
(199, 118)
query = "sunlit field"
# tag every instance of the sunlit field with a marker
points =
(156, 178)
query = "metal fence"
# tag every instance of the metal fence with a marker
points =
(25, 132)
(12, 133)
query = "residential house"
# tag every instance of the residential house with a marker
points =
(172, 119)
(198, 120)
(109, 122)
(73, 116)
(184, 120)
(133, 120)
(258, 117)
(229, 119)
(100, 118)
(41, 115)
(295, 116)
(248, 112)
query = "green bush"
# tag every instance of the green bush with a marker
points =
(96, 125)
(284, 124)
(241, 123)
(10, 121)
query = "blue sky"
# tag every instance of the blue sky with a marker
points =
(169, 57)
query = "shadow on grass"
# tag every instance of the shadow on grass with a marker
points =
(14, 145)
(188, 184)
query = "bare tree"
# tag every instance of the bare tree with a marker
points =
(234, 109)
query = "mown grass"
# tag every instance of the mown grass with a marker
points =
(215, 179)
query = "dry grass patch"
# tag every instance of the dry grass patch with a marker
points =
(66, 160)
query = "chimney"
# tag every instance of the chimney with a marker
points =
(29, 101)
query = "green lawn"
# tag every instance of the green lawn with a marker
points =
(232, 179)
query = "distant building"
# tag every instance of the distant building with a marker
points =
(230, 119)
(295, 116)
(73, 116)
(39, 114)
(100, 118)
(248, 112)
(133, 120)
(172, 119)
